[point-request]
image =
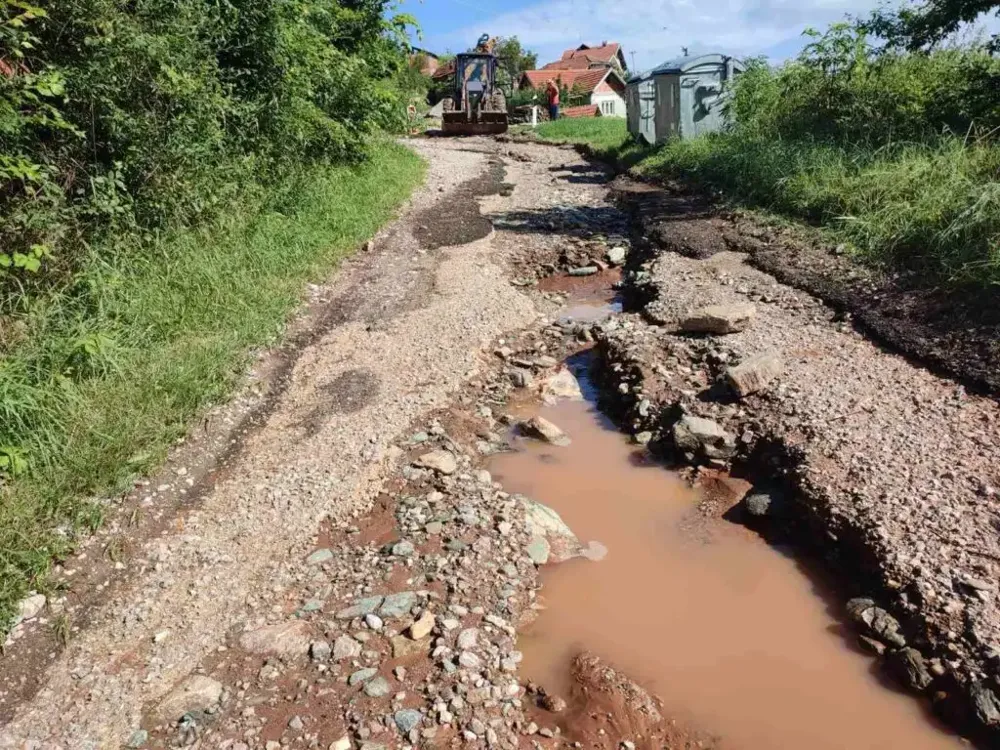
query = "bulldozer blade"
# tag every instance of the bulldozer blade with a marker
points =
(490, 123)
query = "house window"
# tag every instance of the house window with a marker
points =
(608, 107)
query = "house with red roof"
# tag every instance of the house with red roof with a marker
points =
(584, 57)
(592, 91)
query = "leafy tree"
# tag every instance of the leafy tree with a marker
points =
(923, 26)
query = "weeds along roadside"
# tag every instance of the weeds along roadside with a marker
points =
(896, 154)
(110, 378)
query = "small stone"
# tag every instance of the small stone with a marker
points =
(346, 647)
(361, 608)
(295, 724)
(442, 461)
(562, 386)
(361, 675)
(398, 605)
(754, 374)
(468, 638)
(758, 504)
(403, 549)
(542, 429)
(616, 255)
(319, 556)
(469, 660)
(521, 378)
(399, 672)
(553, 703)
(138, 739)
(703, 437)
(284, 639)
(643, 438)
(344, 743)
(320, 651)
(407, 720)
(719, 319)
(434, 528)
(373, 621)
(377, 688)
(403, 646)
(30, 607)
(194, 695)
(871, 645)
(583, 271)
(539, 550)
(423, 626)
(908, 665)
(986, 705)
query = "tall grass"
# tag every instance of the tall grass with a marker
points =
(897, 155)
(143, 341)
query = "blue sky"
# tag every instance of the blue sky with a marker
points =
(655, 30)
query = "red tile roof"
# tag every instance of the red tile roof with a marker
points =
(586, 110)
(574, 63)
(605, 53)
(582, 81)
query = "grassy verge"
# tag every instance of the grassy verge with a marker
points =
(931, 209)
(119, 365)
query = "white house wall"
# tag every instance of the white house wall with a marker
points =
(601, 98)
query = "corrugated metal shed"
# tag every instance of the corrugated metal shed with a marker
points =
(680, 98)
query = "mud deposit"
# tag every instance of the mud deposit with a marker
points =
(735, 637)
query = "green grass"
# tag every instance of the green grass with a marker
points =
(929, 209)
(119, 365)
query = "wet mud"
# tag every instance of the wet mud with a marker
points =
(735, 637)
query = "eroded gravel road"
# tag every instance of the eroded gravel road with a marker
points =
(341, 572)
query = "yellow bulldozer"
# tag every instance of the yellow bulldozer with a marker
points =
(477, 106)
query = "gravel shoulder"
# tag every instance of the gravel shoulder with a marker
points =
(888, 470)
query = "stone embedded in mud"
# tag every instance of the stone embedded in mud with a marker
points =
(584, 271)
(875, 621)
(195, 695)
(403, 549)
(362, 607)
(319, 556)
(398, 605)
(986, 704)
(377, 688)
(754, 374)
(346, 647)
(616, 255)
(30, 607)
(703, 437)
(542, 429)
(320, 650)
(361, 675)
(521, 378)
(407, 720)
(561, 386)
(719, 319)
(908, 666)
(344, 743)
(442, 461)
(423, 626)
(548, 530)
(284, 639)
(403, 646)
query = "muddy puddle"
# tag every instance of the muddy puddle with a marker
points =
(736, 638)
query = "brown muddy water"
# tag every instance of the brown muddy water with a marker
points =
(735, 637)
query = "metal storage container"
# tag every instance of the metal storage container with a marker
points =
(680, 98)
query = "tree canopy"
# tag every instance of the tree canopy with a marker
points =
(922, 26)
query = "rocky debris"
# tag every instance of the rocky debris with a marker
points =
(562, 386)
(407, 720)
(703, 438)
(521, 377)
(346, 647)
(719, 319)
(399, 604)
(361, 675)
(551, 539)
(616, 256)
(284, 639)
(542, 429)
(320, 651)
(30, 607)
(875, 621)
(754, 374)
(196, 695)
(441, 461)
(423, 626)
(368, 605)
(377, 687)
(319, 556)
(986, 705)
(908, 666)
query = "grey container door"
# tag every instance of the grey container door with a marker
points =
(647, 111)
(667, 107)
(701, 96)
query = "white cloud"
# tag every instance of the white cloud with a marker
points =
(655, 30)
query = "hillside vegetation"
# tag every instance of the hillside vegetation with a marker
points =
(896, 152)
(172, 173)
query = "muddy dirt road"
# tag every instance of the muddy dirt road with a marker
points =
(341, 557)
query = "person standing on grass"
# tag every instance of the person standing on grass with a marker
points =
(553, 94)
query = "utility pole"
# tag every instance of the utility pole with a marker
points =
(633, 61)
